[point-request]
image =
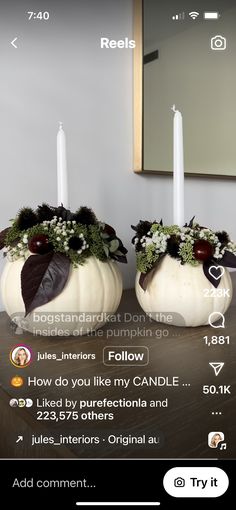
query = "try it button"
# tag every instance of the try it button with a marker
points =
(196, 482)
(126, 355)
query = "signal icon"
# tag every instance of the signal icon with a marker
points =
(179, 17)
(194, 14)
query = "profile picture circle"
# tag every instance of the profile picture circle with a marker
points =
(21, 356)
(214, 438)
(28, 402)
(13, 402)
(21, 402)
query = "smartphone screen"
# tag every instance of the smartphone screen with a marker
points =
(117, 357)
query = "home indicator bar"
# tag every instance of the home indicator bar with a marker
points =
(117, 503)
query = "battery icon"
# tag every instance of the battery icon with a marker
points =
(211, 15)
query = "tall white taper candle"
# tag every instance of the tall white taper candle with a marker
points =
(178, 169)
(62, 178)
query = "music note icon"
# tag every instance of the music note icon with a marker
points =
(223, 446)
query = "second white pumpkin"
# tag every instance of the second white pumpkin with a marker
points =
(179, 290)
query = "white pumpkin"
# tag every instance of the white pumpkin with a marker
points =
(179, 289)
(94, 289)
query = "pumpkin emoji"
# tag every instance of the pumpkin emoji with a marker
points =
(17, 381)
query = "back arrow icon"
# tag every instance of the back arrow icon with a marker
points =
(13, 42)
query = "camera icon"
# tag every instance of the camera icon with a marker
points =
(218, 42)
(179, 482)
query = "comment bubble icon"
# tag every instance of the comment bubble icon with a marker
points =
(216, 320)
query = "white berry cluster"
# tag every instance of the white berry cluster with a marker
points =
(16, 252)
(20, 250)
(231, 246)
(219, 251)
(84, 245)
(63, 231)
(208, 235)
(157, 239)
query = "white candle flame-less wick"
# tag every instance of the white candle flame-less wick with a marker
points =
(62, 179)
(178, 168)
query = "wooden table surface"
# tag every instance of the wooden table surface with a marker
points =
(182, 427)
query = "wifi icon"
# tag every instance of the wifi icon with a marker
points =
(194, 14)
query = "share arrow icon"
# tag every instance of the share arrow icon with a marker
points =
(217, 367)
(20, 438)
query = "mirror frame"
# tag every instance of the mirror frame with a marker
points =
(138, 102)
(138, 86)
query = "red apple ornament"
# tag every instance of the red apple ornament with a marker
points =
(203, 250)
(39, 244)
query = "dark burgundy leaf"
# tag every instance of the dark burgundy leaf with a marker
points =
(3, 237)
(228, 259)
(43, 277)
(110, 230)
(122, 247)
(206, 266)
(119, 258)
(191, 222)
(145, 278)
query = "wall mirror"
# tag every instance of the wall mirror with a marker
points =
(177, 61)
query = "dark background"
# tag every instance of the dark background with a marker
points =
(118, 480)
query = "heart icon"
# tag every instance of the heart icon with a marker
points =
(216, 272)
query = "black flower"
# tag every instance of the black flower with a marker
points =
(223, 237)
(142, 228)
(85, 216)
(173, 247)
(62, 212)
(45, 213)
(27, 218)
(75, 243)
